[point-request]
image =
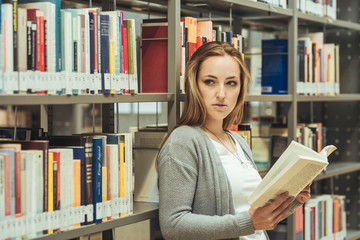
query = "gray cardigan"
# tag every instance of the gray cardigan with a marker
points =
(195, 195)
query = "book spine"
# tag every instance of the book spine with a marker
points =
(104, 25)
(15, 36)
(58, 35)
(50, 201)
(91, 42)
(28, 41)
(22, 40)
(33, 47)
(2, 185)
(97, 174)
(7, 184)
(17, 182)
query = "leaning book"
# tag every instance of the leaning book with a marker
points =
(292, 172)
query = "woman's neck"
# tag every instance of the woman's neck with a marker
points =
(215, 127)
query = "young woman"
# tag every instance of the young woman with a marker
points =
(206, 172)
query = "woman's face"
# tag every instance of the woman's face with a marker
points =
(219, 85)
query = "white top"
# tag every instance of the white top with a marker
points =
(243, 181)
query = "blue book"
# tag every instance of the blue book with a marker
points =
(97, 174)
(113, 139)
(104, 36)
(11, 152)
(274, 66)
(229, 36)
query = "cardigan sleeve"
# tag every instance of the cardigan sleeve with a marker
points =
(178, 176)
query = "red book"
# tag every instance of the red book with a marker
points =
(41, 42)
(124, 37)
(17, 182)
(126, 56)
(154, 58)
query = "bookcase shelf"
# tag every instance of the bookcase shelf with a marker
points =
(338, 98)
(142, 211)
(335, 169)
(83, 99)
(320, 22)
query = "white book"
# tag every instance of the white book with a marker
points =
(133, 80)
(295, 169)
(22, 39)
(113, 150)
(8, 50)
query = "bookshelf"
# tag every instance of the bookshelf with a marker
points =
(249, 13)
(142, 211)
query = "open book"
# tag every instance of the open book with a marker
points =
(292, 172)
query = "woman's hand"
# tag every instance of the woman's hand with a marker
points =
(268, 216)
(304, 195)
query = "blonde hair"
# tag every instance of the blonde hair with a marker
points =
(194, 113)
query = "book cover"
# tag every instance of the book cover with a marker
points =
(274, 66)
(154, 69)
(295, 169)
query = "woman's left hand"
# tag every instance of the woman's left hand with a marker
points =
(304, 195)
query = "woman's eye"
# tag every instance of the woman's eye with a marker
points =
(209, 82)
(232, 83)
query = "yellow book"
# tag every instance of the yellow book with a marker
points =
(77, 185)
(122, 172)
(50, 185)
(104, 186)
(112, 65)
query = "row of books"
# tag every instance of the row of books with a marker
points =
(323, 217)
(65, 51)
(193, 34)
(268, 138)
(317, 64)
(321, 8)
(65, 175)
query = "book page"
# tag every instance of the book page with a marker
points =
(294, 180)
(289, 157)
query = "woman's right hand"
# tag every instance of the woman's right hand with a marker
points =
(269, 215)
